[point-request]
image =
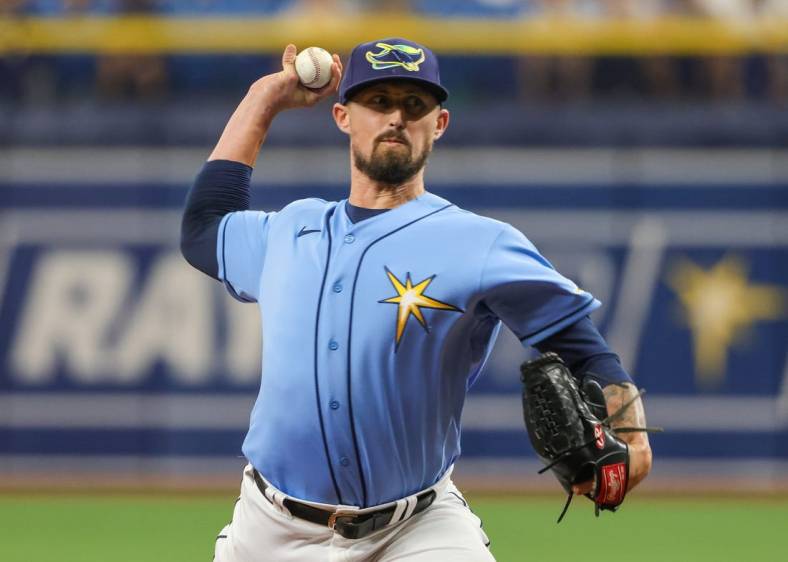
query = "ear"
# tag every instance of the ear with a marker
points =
(442, 123)
(341, 117)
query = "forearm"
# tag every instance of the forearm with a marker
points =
(245, 132)
(616, 396)
(586, 353)
(247, 128)
(222, 186)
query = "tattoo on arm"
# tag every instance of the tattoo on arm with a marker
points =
(616, 396)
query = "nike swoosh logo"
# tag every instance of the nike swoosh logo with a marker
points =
(304, 230)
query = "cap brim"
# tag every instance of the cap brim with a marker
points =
(441, 93)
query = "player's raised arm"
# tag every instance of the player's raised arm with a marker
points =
(246, 130)
(222, 186)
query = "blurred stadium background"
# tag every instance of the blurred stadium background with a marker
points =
(641, 144)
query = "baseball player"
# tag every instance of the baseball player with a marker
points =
(378, 313)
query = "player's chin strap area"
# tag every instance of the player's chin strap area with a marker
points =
(348, 523)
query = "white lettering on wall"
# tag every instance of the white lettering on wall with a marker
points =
(172, 323)
(74, 298)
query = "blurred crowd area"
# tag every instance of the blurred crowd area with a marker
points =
(725, 9)
(756, 79)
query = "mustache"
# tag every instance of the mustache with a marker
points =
(392, 136)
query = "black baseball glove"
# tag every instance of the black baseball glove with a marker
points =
(570, 430)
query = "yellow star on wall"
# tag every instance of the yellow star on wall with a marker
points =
(720, 306)
(410, 300)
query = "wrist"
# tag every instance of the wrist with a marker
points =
(639, 463)
(264, 98)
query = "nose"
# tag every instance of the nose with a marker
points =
(397, 118)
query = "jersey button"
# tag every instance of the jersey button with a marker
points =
(333, 346)
(338, 288)
(334, 405)
(349, 238)
(344, 461)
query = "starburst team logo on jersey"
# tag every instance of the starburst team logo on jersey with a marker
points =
(391, 56)
(410, 299)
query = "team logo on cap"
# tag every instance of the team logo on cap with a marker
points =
(391, 56)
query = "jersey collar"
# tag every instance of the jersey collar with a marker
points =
(397, 217)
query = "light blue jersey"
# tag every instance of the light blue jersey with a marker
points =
(372, 334)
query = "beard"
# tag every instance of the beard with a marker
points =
(390, 167)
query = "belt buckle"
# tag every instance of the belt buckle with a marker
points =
(332, 519)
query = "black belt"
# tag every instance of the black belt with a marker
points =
(347, 523)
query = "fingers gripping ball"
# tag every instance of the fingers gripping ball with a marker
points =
(313, 66)
(571, 434)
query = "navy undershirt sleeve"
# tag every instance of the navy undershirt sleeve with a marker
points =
(586, 353)
(221, 187)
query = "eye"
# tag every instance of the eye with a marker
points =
(414, 104)
(379, 100)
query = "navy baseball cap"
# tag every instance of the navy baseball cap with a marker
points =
(391, 59)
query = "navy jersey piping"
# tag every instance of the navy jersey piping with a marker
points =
(562, 319)
(225, 282)
(350, 340)
(317, 385)
(224, 243)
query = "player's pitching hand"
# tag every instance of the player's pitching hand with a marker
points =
(283, 89)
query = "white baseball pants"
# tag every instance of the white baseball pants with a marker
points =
(262, 531)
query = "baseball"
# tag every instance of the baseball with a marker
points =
(313, 66)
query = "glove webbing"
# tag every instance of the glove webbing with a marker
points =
(603, 407)
(606, 422)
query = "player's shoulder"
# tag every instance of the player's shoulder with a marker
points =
(487, 230)
(481, 224)
(308, 204)
(304, 209)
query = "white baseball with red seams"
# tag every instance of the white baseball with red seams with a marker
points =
(313, 66)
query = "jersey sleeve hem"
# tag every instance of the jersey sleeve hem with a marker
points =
(561, 323)
(222, 263)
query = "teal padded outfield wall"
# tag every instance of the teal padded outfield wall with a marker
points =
(112, 347)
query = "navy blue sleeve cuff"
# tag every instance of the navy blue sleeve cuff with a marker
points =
(586, 353)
